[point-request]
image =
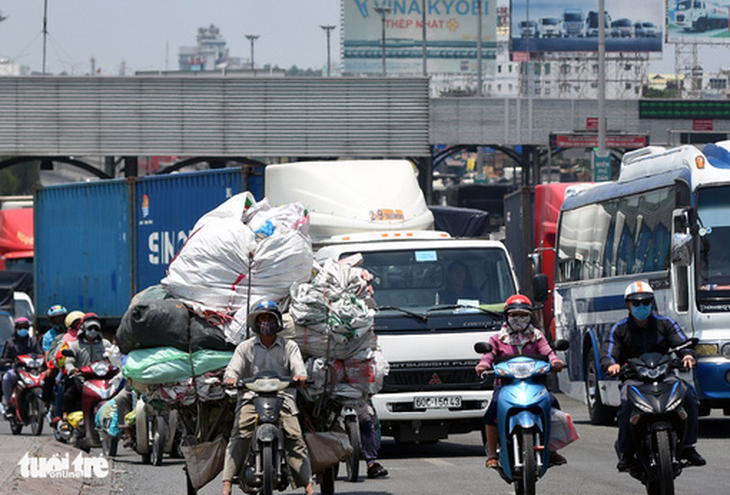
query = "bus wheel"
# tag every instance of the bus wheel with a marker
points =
(599, 413)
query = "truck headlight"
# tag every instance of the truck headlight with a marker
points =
(726, 351)
(708, 350)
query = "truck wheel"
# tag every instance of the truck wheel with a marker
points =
(599, 414)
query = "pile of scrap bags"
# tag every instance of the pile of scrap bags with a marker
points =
(180, 335)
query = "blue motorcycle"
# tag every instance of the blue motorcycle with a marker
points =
(523, 417)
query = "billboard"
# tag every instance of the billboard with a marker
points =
(698, 21)
(451, 36)
(572, 25)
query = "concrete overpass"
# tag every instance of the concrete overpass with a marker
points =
(254, 119)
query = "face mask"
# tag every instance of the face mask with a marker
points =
(641, 312)
(268, 327)
(518, 323)
(23, 332)
(92, 334)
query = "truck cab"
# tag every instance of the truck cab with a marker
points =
(573, 25)
(436, 296)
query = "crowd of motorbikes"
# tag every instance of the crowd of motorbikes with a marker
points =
(152, 434)
(657, 420)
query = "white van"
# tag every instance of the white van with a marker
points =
(436, 295)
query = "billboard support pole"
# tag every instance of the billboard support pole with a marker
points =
(423, 48)
(383, 11)
(601, 77)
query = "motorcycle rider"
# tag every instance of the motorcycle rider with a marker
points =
(18, 344)
(638, 333)
(517, 336)
(266, 351)
(89, 347)
(57, 315)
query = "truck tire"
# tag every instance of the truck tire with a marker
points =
(599, 413)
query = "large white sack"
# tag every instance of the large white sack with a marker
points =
(213, 264)
(235, 207)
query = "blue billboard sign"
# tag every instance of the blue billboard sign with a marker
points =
(572, 26)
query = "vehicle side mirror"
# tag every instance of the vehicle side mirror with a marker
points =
(482, 347)
(540, 287)
(561, 345)
(681, 249)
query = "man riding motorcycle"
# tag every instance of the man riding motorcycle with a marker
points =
(18, 344)
(89, 347)
(632, 336)
(266, 351)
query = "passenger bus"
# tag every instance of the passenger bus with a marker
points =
(666, 221)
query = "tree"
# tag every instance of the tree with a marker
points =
(19, 179)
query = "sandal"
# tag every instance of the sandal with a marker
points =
(492, 462)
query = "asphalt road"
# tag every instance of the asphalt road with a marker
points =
(455, 467)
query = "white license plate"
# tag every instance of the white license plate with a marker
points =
(437, 402)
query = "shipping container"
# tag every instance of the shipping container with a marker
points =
(99, 243)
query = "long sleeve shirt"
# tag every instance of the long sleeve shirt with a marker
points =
(252, 357)
(534, 343)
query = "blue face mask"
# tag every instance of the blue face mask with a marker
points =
(23, 332)
(641, 312)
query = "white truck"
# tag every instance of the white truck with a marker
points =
(436, 295)
(698, 15)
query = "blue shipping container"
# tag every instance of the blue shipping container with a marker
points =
(99, 243)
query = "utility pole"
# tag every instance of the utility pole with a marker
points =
(479, 52)
(424, 50)
(45, 32)
(601, 77)
(383, 11)
(328, 28)
(252, 38)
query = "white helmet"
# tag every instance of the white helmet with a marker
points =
(638, 291)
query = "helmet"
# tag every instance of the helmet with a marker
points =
(56, 310)
(22, 322)
(518, 302)
(90, 321)
(73, 317)
(639, 291)
(263, 307)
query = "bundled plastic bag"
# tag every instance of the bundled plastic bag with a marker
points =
(168, 365)
(326, 448)
(204, 461)
(562, 430)
(154, 323)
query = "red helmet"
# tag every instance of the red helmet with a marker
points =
(518, 302)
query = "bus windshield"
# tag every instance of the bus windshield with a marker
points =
(418, 279)
(714, 246)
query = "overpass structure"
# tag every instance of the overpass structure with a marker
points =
(255, 119)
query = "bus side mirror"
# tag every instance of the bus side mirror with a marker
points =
(540, 287)
(681, 249)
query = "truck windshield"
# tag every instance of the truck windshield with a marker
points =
(684, 5)
(417, 279)
(549, 22)
(714, 247)
(572, 17)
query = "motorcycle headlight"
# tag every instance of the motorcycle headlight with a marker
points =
(267, 385)
(652, 373)
(522, 370)
(100, 368)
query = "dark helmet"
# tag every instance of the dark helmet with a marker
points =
(518, 302)
(264, 307)
(56, 310)
(22, 322)
(90, 321)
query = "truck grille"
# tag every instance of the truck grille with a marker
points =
(433, 379)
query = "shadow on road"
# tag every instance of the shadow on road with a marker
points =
(714, 427)
(390, 450)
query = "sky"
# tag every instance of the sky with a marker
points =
(147, 34)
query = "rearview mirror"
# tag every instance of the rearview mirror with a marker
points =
(561, 345)
(540, 288)
(482, 347)
(681, 249)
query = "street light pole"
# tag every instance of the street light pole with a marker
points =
(45, 32)
(479, 48)
(383, 11)
(328, 28)
(252, 38)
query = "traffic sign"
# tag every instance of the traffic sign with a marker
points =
(601, 166)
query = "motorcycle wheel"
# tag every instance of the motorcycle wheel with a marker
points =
(35, 414)
(327, 481)
(267, 459)
(529, 462)
(664, 485)
(158, 442)
(15, 426)
(352, 462)
(599, 413)
(109, 444)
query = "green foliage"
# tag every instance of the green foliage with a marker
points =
(19, 179)
(295, 71)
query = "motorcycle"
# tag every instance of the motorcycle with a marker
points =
(266, 468)
(26, 401)
(100, 382)
(523, 417)
(155, 433)
(658, 419)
